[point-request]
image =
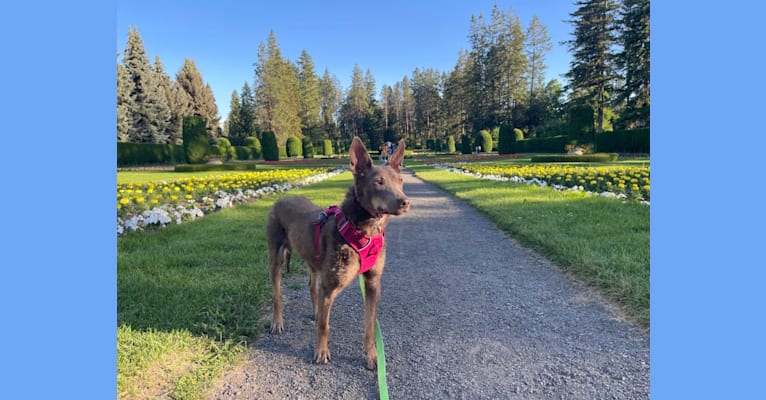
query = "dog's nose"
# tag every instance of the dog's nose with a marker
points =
(404, 203)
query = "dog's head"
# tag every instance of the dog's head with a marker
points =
(378, 188)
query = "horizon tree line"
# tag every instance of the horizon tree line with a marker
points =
(498, 80)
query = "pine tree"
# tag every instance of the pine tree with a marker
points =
(633, 61)
(331, 96)
(354, 108)
(123, 104)
(140, 87)
(308, 84)
(246, 113)
(233, 128)
(537, 45)
(426, 89)
(591, 72)
(456, 100)
(276, 92)
(201, 98)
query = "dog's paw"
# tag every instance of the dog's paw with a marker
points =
(322, 356)
(277, 327)
(372, 361)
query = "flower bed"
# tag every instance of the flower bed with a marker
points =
(156, 204)
(628, 182)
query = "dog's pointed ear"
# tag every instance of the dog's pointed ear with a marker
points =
(360, 159)
(396, 159)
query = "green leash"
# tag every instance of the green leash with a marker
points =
(382, 384)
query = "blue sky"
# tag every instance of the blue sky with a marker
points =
(390, 38)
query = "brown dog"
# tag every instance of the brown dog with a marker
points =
(328, 247)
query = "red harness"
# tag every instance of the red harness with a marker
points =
(367, 247)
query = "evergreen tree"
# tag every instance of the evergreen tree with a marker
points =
(331, 96)
(354, 108)
(166, 132)
(276, 92)
(233, 128)
(537, 45)
(456, 100)
(591, 72)
(308, 85)
(123, 104)
(201, 98)
(246, 113)
(141, 91)
(633, 61)
(426, 92)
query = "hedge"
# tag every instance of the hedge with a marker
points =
(132, 154)
(215, 167)
(595, 157)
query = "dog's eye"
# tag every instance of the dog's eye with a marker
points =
(379, 181)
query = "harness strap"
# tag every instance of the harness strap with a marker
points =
(367, 247)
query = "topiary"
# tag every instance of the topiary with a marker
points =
(270, 148)
(255, 147)
(308, 148)
(505, 139)
(451, 144)
(518, 134)
(294, 147)
(327, 147)
(465, 144)
(485, 140)
(195, 142)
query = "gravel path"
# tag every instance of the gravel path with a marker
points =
(466, 313)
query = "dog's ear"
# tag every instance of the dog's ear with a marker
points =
(360, 159)
(395, 161)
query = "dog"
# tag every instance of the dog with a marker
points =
(339, 243)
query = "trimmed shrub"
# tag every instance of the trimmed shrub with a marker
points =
(226, 150)
(327, 150)
(505, 139)
(595, 157)
(485, 140)
(632, 141)
(270, 148)
(465, 144)
(451, 144)
(518, 134)
(148, 153)
(294, 147)
(196, 145)
(308, 148)
(254, 145)
(282, 152)
(243, 153)
(215, 167)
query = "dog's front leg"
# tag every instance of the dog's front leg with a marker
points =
(322, 351)
(314, 289)
(372, 297)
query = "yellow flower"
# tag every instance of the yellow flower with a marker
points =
(124, 201)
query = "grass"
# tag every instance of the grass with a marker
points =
(190, 297)
(602, 242)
